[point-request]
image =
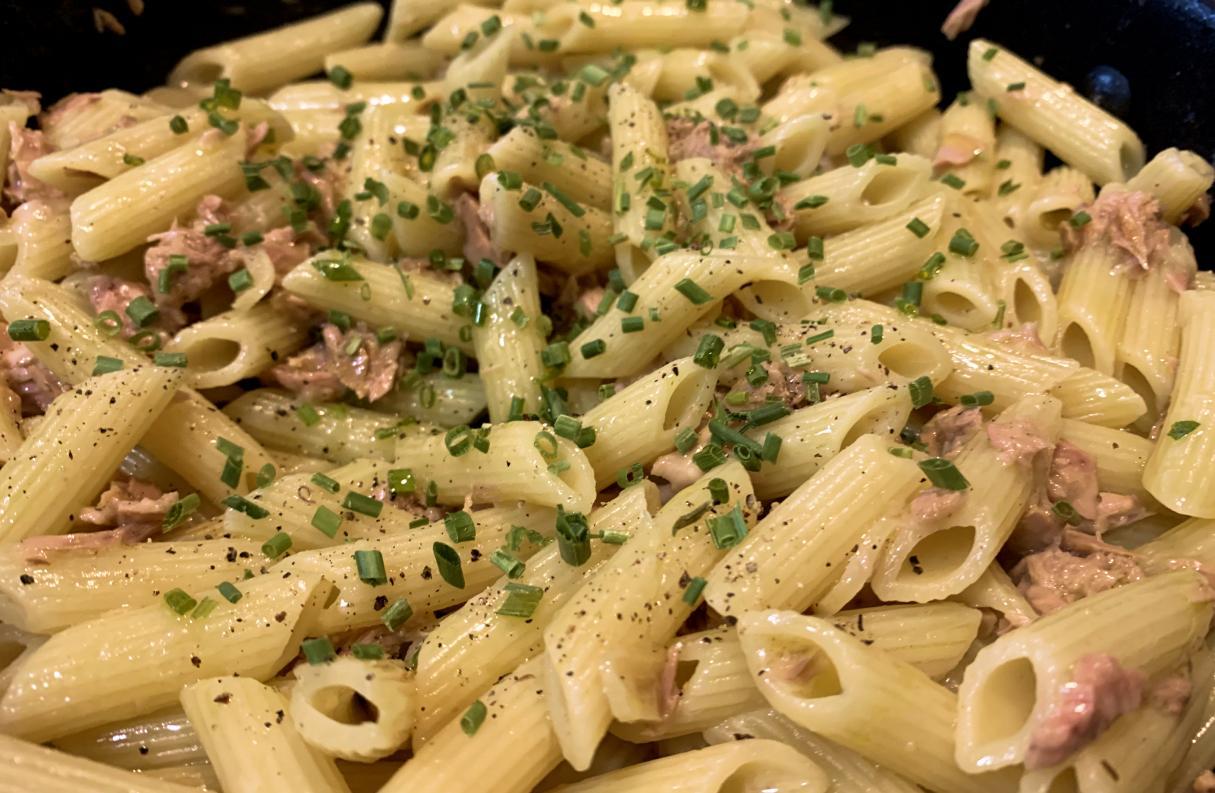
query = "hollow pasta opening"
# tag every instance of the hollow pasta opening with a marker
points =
(889, 185)
(688, 400)
(780, 298)
(1075, 343)
(759, 778)
(203, 71)
(938, 554)
(1130, 157)
(907, 359)
(956, 308)
(1051, 218)
(1026, 305)
(1065, 782)
(1004, 701)
(212, 353)
(344, 705)
(801, 668)
(876, 420)
(1134, 378)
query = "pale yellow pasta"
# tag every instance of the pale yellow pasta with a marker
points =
(82, 677)
(237, 344)
(96, 115)
(71, 586)
(1053, 200)
(1176, 178)
(337, 433)
(29, 766)
(855, 196)
(577, 173)
(389, 60)
(65, 462)
(967, 147)
(509, 344)
(118, 215)
(637, 23)
(267, 60)
(251, 746)
(407, 17)
(1007, 691)
(43, 239)
(326, 700)
(1077, 131)
(1175, 472)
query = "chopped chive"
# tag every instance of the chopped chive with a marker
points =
(685, 439)
(931, 266)
(1066, 512)
(977, 399)
(963, 243)
(811, 202)
(241, 504)
(1016, 86)
(142, 311)
(1079, 220)
(692, 593)
(399, 612)
(573, 537)
(174, 359)
(918, 228)
(106, 365)
(471, 721)
(370, 567)
(943, 474)
(230, 592)
(921, 392)
(627, 477)
(990, 53)
(367, 652)
(632, 325)
(364, 505)
(814, 248)
(830, 294)
(875, 334)
(460, 526)
(593, 348)
(729, 529)
(506, 562)
(29, 330)
(318, 651)
(693, 292)
(179, 125)
(179, 511)
(951, 180)
(1180, 429)
(180, 602)
(277, 545)
(448, 561)
(326, 483)
(326, 521)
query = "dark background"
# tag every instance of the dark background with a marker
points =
(1164, 48)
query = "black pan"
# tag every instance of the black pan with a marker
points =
(1150, 61)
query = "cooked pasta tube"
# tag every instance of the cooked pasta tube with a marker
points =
(879, 255)
(1026, 293)
(1177, 178)
(513, 743)
(86, 166)
(967, 148)
(580, 175)
(933, 638)
(82, 677)
(682, 67)
(416, 303)
(523, 460)
(933, 555)
(826, 681)
(848, 770)
(759, 764)
(563, 233)
(333, 432)
(1008, 692)
(636, 23)
(75, 449)
(412, 558)
(319, 95)
(328, 702)
(1094, 296)
(510, 342)
(995, 590)
(677, 289)
(920, 136)
(1018, 172)
(437, 398)
(100, 114)
(388, 60)
(28, 767)
(43, 238)
(811, 436)
(799, 143)
(71, 586)
(1090, 396)
(237, 344)
(476, 645)
(639, 146)
(1060, 194)
(798, 550)
(1146, 354)
(264, 61)
(407, 17)
(163, 739)
(855, 196)
(1120, 456)
(119, 214)
(873, 108)
(638, 423)
(1176, 472)
(251, 745)
(603, 652)
(1077, 131)
(1187, 544)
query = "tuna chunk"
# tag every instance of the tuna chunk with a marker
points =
(1171, 694)
(477, 242)
(130, 504)
(962, 17)
(1099, 692)
(29, 378)
(1205, 783)
(353, 359)
(948, 431)
(1127, 220)
(115, 294)
(27, 145)
(1073, 478)
(690, 138)
(677, 469)
(1053, 578)
(207, 260)
(285, 249)
(936, 504)
(1016, 442)
(957, 149)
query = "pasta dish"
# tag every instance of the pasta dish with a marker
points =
(598, 397)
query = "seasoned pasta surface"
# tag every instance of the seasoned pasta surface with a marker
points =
(601, 397)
